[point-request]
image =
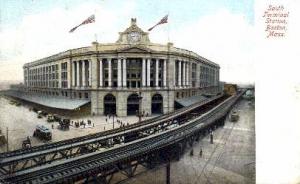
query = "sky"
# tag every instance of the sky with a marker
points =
(220, 30)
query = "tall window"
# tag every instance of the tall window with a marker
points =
(64, 75)
(194, 69)
(134, 73)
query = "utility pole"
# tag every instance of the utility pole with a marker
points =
(7, 148)
(168, 181)
(113, 116)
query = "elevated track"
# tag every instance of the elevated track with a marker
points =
(100, 164)
(17, 160)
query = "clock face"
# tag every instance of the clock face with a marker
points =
(134, 37)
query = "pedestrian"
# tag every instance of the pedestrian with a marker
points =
(192, 152)
(201, 152)
(106, 120)
(52, 126)
(211, 138)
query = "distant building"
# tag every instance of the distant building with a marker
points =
(111, 76)
(230, 89)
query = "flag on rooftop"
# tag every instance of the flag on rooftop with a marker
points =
(162, 21)
(90, 19)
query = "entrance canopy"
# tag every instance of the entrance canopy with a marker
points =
(50, 101)
(190, 100)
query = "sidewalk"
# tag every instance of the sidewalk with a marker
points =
(21, 123)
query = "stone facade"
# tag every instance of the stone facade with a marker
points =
(113, 76)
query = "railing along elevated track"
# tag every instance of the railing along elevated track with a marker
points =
(21, 159)
(124, 157)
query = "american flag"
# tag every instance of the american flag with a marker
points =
(162, 21)
(90, 19)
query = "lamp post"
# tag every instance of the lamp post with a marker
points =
(113, 116)
(7, 139)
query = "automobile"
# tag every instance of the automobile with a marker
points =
(50, 118)
(39, 114)
(56, 117)
(35, 109)
(42, 133)
(64, 124)
(26, 143)
(44, 113)
(234, 116)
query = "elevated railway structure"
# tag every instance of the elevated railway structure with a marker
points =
(101, 165)
(13, 161)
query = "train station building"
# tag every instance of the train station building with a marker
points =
(121, 78)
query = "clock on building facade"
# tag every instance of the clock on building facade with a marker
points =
(134, 37)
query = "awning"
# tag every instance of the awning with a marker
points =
(190, 100)
(50, 101)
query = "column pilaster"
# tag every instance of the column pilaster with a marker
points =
(190, 74)
(144, 72)
(73, 73)
(184, 73)
(100, 72)
(119, 72)
(165, 73)
(109, 72)
(83, 77)
(77, 75)
(156, 72)
(124, 73)
(179, 74)
(148, 72)
(90, 72)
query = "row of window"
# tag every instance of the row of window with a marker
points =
(44, 76)
(80, 95)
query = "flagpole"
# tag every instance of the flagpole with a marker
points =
(96, 37)
(168, 22)
(168, 28)
(95, 26)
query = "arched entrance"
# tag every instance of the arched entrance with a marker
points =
(157, 104)
(109, 104)
(133, 104)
